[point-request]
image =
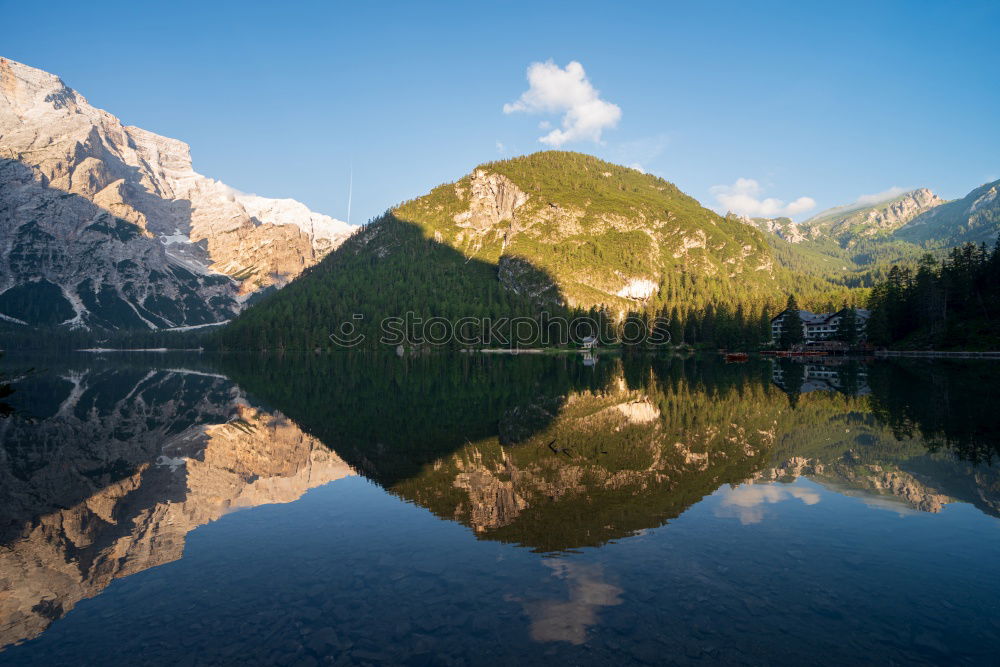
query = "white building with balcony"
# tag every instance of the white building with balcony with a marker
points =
(818, 327)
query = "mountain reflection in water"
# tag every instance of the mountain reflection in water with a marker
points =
(110, 478)
(108, 464)
(551, 455)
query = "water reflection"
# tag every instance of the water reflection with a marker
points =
(105, 472)
(551, 455)
(746, 502)
(108, 466)
(567, 620)
(800, 376)
(541, 452)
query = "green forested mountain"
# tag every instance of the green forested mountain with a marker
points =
(555, 231)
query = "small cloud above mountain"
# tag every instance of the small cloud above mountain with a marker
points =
(744, 197)
(885, 195)
(553, 89)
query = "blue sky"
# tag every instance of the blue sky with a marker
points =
(802, 103)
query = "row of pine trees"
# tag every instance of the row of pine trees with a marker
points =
(948, 303)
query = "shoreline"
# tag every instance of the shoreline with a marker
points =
(932, 354)
(101, 350)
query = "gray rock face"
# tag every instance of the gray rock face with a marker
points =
(493, 199)
(108, 226)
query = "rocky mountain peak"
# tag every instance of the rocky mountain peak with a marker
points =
(28, 90)
(924, 197)
(143, 240)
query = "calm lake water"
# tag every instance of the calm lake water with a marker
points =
(470, 510)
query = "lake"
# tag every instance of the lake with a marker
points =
(465, 509)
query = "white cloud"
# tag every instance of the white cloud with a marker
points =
(501, 148)
(638, 167)
(885, 195)
(553, 89)
(743, 197)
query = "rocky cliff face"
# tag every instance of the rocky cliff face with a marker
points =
(75, 518)
(109, 226)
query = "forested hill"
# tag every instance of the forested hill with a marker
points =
(552, 231)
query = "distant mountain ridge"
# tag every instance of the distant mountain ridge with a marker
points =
(905, 226)
(109, 227)
(879, 218)
(847, 223)
(974, 218)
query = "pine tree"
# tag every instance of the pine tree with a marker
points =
(791, 325)
(847, 332)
